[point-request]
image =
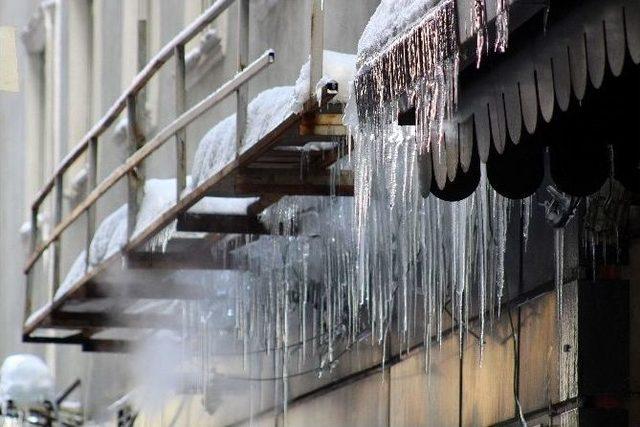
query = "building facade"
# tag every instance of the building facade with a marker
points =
(76, 58)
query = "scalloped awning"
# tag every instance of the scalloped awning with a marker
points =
(521, 97)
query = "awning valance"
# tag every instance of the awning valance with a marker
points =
(516, 96)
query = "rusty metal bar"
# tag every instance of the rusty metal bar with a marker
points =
(181, 135)
(28, 300)
(135, 179)
(92, 180)
(317, 46)
(242, 93)
(57, 246)
(154, 144)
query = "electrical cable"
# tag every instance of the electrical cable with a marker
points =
(516, 364)
(297, 374)
(265, 350)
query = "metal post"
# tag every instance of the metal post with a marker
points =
(317, 46)
(135, 177)
(57, 247)
(243, 58)
(135, 181)
(181, 135)
(92, 179)
(28, 301)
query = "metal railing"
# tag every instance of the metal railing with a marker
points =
(141, 150)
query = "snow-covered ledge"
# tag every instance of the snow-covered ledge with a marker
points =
(34, 34)
(203, 57)
(121, 129)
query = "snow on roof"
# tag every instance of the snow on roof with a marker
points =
(265, 112)
(26, 380)
(391, 18)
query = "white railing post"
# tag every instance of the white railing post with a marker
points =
(181, 135)
(317, 46)
(28, 301)
(135, 177)
(57, 245)
(243, 58)
(92, 181)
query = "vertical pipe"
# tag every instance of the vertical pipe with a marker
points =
(57, 247)
(181, 135)
(243, 58)
(135, 176)
(317, 45)
(92, 178)
(143, 14)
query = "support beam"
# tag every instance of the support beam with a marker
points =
(154, 290)
(107, 346)
(67, 320)
(224, 224)
(174, 261)
(287, 183)
(88, 344)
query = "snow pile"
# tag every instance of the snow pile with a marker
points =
(265, 112)
(110, 236)
(159, 195)
(391, 18)
(25, 380)
(223, 206)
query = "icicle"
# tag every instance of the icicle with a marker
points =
(162, 238)
(363, 263)
(502, 26)
(526, 219)
(479, 19)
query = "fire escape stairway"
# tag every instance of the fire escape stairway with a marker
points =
(277, 165)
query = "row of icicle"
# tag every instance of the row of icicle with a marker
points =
(351, 271)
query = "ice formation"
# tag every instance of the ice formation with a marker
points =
(421, 67)
(391, 18)
(348, 270)
(502, 25)
(479, 20)
(606, 211)
(25, 380)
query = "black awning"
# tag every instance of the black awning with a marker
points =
(556, 89)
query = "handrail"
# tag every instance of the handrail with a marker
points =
(136, 85)
(150, 147)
